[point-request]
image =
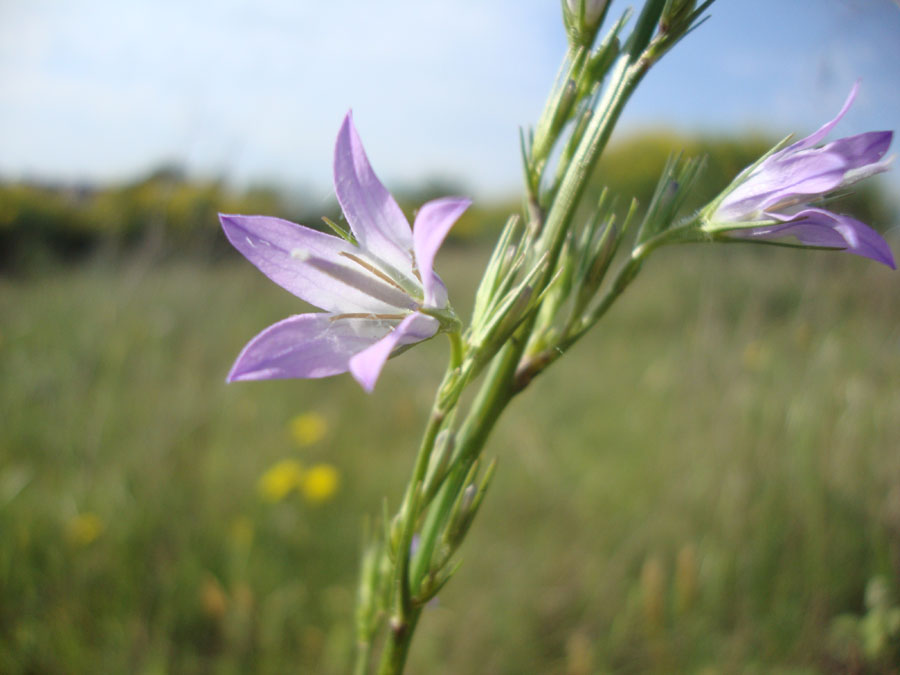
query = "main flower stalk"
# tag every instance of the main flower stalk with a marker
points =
(438, 519)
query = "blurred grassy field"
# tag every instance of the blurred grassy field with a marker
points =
(703, 485)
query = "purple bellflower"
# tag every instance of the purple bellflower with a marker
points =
(377, 287)
(773, 198)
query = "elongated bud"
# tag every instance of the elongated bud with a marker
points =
(567, 90)
(500, 269)
(435, 581)
(599, 264)
(468, 497)
(368, 594)
(599, 63)
(395, 535)
(557, 291)
(583, 19)
(675, 184)
(676, 16)
(467, 505)
(444, 445)
(589, 11)
(511, 309)
(568, 97)
(514, 312)
(644, 28)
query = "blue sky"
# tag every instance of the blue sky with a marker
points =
(105, 89)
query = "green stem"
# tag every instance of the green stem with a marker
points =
(396, 650)
(363, 655)
(625, 78)
(500, 384)
(492, 398)
(456, 349)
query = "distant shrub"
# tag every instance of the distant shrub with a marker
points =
(167, 213)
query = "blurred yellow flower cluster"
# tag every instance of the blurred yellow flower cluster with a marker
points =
(84, 529)
(308, 428)
(280, 479)
(317, 484)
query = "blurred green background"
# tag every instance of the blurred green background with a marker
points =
(709, 483)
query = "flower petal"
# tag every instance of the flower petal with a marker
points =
(800, 172)
(316, 267)
(307, 346)
(374, 216)
(823, 131)
(433, 222)
(820, 170)
(366, 365)
(818, 227)
(863, 154)
(862, 149)
(781, 183)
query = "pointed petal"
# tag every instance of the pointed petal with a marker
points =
(823, 131)
(314, 266)
(862, 149)
(824, 169)
(433, 222)
(784, 181)
(374, 216)
(306, 346)
(864, 155)
(366, 365)
(818, 227)
(792, 178)
(859, 238)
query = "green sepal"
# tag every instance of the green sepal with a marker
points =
(507, 309)
(467, 505)
(675, 183)
(367, 609)
(707, 211)
(644, 28)
(500, 270)
(434, 582)
(439, 462)
(341, 231)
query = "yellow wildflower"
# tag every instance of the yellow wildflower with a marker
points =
(84, 528)
(308, 428)
(278, 481)
(320, 483)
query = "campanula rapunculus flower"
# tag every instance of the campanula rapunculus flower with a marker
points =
(379, 292)
(774, 198)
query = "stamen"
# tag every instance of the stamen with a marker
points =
(374, 270)
(415, 267)
(368, 315)
(367, 280)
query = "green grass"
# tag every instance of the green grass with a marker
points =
(703, 484)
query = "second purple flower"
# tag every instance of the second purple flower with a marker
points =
(774, 198)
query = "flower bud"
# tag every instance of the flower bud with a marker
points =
(593, 10)
(676, 16)
(583, 19)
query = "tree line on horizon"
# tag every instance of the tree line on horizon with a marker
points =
(168, 213)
